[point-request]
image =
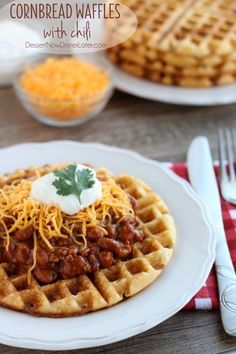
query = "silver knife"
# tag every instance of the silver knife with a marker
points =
(203, 180)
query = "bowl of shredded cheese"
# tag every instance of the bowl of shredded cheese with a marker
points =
(64, 91)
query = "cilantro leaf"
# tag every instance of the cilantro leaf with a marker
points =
(71, 181)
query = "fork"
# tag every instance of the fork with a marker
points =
(226, 157)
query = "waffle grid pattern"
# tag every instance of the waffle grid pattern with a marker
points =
(108, 286)
(183, 43)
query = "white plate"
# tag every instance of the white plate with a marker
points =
(184, 276)
(172, 94)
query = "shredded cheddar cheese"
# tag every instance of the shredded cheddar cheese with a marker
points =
(64, 88)
(48, 220)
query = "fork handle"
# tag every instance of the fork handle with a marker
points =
(226, 279)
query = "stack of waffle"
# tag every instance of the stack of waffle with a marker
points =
(188, 43)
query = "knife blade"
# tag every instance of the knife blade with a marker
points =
(203, 180)
(202, 177)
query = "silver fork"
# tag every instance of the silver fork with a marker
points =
(226, 140)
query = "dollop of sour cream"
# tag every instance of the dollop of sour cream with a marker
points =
(45, 192)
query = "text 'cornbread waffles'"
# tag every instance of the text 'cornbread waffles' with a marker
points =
(104, 239)
(189, 43)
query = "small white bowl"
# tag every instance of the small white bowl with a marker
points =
(9, 69)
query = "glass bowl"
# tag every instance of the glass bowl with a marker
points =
(65, 113)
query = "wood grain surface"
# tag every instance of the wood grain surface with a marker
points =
(158, 131)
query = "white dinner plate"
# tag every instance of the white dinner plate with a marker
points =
(187, 271)
(173, 94)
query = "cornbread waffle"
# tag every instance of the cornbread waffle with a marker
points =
(181, 43)
(108, 286)
(204, 77)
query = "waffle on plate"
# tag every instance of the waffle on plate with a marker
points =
(184, 43)
(58, 265)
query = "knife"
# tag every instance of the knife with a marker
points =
(203, 180)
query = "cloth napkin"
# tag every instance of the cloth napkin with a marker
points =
(207, 297)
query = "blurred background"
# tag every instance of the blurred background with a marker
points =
(172, 80)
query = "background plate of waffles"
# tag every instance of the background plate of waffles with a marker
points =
(173, 94)
(182, 52)
(184, 275)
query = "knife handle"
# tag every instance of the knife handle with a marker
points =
(226, 279)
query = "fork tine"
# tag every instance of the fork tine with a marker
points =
(222, 155)
(230, 153)
(234, 140)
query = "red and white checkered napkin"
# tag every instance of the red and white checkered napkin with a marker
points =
(207, 297)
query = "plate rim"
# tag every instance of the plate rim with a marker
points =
(77, 343)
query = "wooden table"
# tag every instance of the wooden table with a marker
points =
(158, 131)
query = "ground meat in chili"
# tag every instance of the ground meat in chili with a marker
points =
(67, 259)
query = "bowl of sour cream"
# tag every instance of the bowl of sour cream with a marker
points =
(13, 55)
